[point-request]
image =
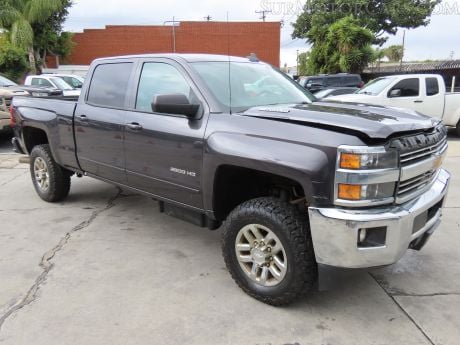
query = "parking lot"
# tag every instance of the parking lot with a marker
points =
(105, 267)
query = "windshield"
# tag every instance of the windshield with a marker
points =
(374, 87)
(61, 84)
(6, 82)
(252, 85)
(72, 81)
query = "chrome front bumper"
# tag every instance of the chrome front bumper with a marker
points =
(335, 231)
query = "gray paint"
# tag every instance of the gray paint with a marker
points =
(299, 141)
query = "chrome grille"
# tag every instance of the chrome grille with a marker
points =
(423, 153)
(416, 183)
(419, 162)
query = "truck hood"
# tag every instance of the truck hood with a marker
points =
(375, 122)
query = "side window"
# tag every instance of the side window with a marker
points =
(109, 84)
(406, 88)
(333, 81)
(432, 87)
(35, 81)
(315, 81)
(351, 81)
(159, 78)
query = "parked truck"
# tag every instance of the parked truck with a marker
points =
(424, 93)
(301, 185)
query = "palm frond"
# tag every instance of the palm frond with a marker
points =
(22, 34)
(8, 15)
(38, 11)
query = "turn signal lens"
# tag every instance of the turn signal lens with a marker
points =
(349, 191)
(350, 161)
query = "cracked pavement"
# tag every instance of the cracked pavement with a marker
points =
(105, 267)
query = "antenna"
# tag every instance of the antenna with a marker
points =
(263, 14)
(208, 18)
(229, 65)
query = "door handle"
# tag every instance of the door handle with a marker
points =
(134, 126)
(418, 101)
(83, 118)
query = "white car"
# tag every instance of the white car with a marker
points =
(424, 93)
(73, 80)
(52, 81)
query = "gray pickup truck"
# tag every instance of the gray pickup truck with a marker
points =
(302, 186)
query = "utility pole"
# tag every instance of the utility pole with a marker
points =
(403, 47)
(208, 18)
(263, 14)
(173, 31)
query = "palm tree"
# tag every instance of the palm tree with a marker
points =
(18, 16)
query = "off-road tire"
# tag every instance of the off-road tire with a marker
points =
(292, 228)
(59, 178)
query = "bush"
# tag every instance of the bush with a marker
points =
(13, 62)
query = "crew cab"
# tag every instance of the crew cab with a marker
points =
(300, 185)
(424, 93)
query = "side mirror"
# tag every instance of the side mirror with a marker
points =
(174, 103)
(395, 93)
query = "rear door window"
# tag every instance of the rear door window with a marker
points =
(109, 85)
(333, 81)
(432, 87)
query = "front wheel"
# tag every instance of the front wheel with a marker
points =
(51, 181)
(268, 250)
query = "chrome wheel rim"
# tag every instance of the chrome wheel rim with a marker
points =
(261, 255)
(41, 174)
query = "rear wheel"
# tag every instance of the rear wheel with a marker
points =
(268, 250)
(458, 129)
(51, 181)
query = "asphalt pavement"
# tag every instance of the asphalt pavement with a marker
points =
(105, 267)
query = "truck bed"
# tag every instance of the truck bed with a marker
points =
(55, 117)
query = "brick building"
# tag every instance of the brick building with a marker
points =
(236, 38)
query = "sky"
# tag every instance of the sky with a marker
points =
(439, 40)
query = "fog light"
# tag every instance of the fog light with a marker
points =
(372, 237)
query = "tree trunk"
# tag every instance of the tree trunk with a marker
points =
(33, 68)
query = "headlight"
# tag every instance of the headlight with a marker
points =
(365, 176)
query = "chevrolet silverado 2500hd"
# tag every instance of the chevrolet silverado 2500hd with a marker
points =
(300, 184)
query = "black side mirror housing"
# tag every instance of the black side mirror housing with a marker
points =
(395, 93)
(175, 103)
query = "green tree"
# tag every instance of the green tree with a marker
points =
(19, 17)
(394, 53)
(49, 37)
(13, 62)
(303, 64)
(379, 16)
(379, 54)
(345, 48)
